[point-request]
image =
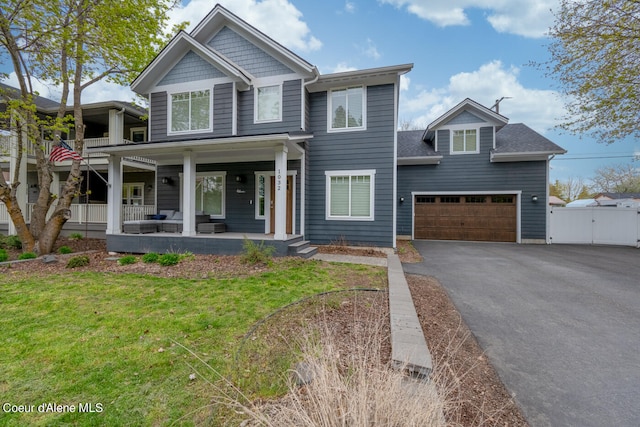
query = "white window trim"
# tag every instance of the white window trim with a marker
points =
(129, 186)
(465, 128)
(331, 129)
(372, 188)
(138, 129)
(223, 174)
(169, 110)
(255, 103)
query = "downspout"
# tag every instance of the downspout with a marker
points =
(548, 209)
(303, 166)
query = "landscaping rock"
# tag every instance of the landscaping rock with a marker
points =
(49, 259)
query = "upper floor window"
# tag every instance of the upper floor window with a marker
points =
(190, 111)
(346, 108)
(464, 141)
(268, 104)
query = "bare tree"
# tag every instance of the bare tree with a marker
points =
(622, 178)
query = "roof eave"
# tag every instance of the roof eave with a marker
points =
(468, 102)
(421, 160)
(370, 77)
(523, 156)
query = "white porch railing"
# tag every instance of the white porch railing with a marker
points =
(90, 213)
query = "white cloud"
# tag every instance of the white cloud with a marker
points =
(405, 83)
(349, 7)
(528, 18)
(97, 92)
(342, 67)
(279, 19)
(371, 50)
(537, 108)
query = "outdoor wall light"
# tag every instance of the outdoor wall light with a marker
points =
(149, 187)
(166, 180)
(401, 200)
(534, 198)
(240, 178)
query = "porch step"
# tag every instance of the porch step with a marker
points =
(302, 249)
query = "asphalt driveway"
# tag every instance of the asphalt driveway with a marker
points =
(560, 323)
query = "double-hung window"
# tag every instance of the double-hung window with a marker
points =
(347, 109)
(268, 104)
(210, 194)
(190, 111)
(350, 195)
(464, 141)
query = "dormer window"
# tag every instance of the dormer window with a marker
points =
(464, 141)
(347, 109)
(268, 104)
(190, 111)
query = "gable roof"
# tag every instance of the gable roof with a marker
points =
(518, 142)
(174, 52)
(219, 17)
(197, 41)
(473, 107)
(41, 102)
(616, 196)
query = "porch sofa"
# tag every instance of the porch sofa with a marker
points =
(168, 221)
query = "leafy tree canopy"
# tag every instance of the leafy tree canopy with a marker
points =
(595, 56)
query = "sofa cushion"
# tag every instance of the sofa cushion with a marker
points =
(177, 216)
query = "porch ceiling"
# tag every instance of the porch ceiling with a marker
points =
(213, 150)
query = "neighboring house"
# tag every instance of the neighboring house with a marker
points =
(473, 176)
(617, 196)
(106, 123)
(556, 201)
(249, 133)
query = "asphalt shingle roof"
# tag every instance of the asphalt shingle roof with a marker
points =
(410, 144)
(520, 138)
(40, 101)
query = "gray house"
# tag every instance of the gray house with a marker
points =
(251, 137)
(473, 176)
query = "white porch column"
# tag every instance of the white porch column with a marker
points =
(116, 127)
(189, 194)
(281, 194)
(114, 196)
(23, 190)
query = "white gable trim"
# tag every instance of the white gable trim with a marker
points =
(174, 52)
(220, 17)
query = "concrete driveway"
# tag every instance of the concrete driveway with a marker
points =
(560, 323)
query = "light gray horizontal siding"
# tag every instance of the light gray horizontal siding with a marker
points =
(291, 111)
(475, 172)
(189, 69)
(248, 56)
(368, 149)
(464, 118)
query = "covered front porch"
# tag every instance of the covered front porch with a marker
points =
(254, 185)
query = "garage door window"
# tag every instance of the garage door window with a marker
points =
(350, 195)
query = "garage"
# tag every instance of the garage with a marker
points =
(489, 218)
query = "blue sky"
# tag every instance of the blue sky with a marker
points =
(460, 48)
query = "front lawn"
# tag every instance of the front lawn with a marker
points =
(105, 342)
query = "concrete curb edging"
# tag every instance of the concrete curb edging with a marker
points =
(409, 350)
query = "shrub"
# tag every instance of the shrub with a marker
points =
(27, 255)
(127, 259)
(4, 256)
(76, 236)
(78, 261)
(13, 242)
(151, 257)
(169, 259)
(254, 253)
(65, 250)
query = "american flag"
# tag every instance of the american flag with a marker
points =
(62, 152)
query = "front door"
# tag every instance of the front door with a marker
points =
(272, 205)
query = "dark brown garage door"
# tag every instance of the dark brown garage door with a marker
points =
(489, 218)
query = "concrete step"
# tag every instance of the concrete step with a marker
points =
(302, 249)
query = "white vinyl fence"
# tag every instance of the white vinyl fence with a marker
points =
(595, 226)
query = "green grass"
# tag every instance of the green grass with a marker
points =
(108, 339)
